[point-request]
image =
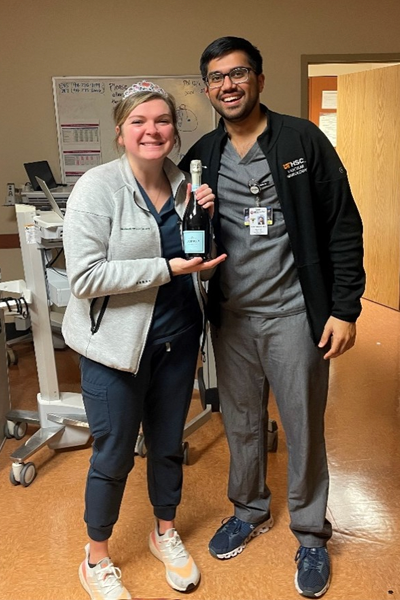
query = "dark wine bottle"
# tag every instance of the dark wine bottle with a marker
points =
(196, 224)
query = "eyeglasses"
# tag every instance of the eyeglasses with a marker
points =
(236, 75)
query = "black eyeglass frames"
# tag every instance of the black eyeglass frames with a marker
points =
(236, 75)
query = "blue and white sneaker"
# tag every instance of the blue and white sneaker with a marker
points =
(231, 538)
(313, 571)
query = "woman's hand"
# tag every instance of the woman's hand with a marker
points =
(180, 266)
(204, 197)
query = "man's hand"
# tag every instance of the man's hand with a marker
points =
(204, 197)
(180, 266)
(341, 334)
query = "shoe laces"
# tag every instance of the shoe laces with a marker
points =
(312, 558)
(174, 546)
(109, 577)
(232, 524)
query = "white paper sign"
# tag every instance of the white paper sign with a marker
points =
(329, 99)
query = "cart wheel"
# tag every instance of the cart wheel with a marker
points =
(272, 436)
(20, 430)
(185, 450)
(7, 432)
(207, 395)
(140, 447)
(12, 357)
(212, 397)
(273, 442)
(28, 474)
(13, 481)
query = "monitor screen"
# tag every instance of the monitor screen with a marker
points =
(40, 169)
(45, 189)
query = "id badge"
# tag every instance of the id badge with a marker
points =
(258, 220)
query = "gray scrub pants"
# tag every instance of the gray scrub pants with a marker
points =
(253, 354)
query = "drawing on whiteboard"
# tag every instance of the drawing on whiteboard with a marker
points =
(187, 120)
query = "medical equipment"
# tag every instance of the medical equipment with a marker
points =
(61, 416)
(5, 403)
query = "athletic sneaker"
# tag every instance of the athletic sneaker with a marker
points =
(231, 538)
(313, 571)
(180, 569)
(102, 582)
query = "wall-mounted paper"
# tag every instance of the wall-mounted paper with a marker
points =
(328, 124)
(329, 99)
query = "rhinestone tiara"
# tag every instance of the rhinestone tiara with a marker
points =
(143, 86)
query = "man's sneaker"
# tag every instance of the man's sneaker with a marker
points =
(313, 571)
(231, 538)
(180, 569)
(102, 582)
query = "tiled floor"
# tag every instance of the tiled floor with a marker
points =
(43, 533)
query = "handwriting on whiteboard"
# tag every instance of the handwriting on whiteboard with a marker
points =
(81, 87)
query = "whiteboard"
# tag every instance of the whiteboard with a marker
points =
(85, 126)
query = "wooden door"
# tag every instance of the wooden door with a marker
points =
(368, 142)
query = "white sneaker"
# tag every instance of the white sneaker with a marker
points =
(102, 582)
(180, 569)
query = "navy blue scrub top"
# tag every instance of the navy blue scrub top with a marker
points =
(176, 306)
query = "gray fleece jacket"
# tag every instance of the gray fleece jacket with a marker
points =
(114, 265)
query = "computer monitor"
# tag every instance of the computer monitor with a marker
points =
(40, 169)
(44, 187)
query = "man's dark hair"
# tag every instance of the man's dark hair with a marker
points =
(225, 45)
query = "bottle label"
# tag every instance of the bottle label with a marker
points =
(194, 242)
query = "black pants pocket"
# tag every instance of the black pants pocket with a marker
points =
(95, 400)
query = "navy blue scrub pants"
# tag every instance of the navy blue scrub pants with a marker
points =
(116, 403)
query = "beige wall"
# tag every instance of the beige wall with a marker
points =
(44, 38)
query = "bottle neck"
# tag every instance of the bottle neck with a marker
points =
(196, 180)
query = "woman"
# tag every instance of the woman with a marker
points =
(135, 318)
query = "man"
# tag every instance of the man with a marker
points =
(284, 302)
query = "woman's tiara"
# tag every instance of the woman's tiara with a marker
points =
(143, 86)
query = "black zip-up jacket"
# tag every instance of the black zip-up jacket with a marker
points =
(322, 220)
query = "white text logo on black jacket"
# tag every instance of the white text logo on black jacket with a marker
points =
(295, 167)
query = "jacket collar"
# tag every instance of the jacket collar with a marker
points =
(175, 177)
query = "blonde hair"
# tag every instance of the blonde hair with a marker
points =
(123, 109)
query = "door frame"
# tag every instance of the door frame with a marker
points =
(315, 59)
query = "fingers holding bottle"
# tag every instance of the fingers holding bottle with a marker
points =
(204, 196)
